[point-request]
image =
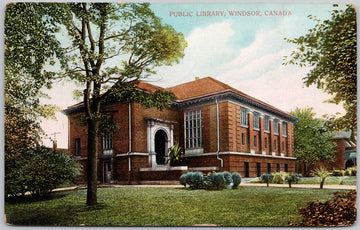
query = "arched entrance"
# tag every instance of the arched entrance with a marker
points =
(160, 146)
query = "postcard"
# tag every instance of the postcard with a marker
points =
(180, 114)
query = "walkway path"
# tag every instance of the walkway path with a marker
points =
(241, 185)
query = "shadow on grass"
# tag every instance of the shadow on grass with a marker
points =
(31, 199)
(64, 214)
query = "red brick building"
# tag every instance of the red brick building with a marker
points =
(219, 128)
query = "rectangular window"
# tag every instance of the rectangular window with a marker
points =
(268, 167)
(243, 138)
(283, 146)
(244, 117)
(265, 142)
(276, 126)
(77, 147)
(258, 169)
(246, 166)
(278, 167)
(256, 117)
(193, 129)
(108, 142)
(274, 144)
(255, 141)
(286, 167)
(283, 128)
(266, 123)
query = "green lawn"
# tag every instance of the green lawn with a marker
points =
(246, 206)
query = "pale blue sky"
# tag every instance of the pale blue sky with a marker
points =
(245, 52)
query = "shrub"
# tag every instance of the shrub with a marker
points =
(267, 178)
(279, 177)
(41, 170)
(323, 174)
(336, 172)
(341, 211)
(236, 179)
(228, 179)
(175, 154)
(215, 181)
(195, 180)
(292, 178)
(183, 179)
(351, 171)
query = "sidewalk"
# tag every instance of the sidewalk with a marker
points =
(353, 187)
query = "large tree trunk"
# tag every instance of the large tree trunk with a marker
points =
(92, 162)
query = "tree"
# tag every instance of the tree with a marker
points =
(322, 173)
(131, 33)
(330, 49)
(108, 48)
(312, 140)
(29, 46)
(39, 170)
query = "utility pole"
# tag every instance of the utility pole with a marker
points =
(54, 140)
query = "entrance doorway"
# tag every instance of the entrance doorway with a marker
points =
(160, 146)
(107, 172)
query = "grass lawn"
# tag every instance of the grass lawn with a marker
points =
(246, 206)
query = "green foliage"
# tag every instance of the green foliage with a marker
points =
(351, 171)
(340, 211)
(279, 177)
(175, 154)
(182, 179)
(292, 178)
(38, 171)
(330, 49)
(267, 178)
(195, 180)
(212, 181)
(215, 181)
(30, 44)
(228, 179)
(312, 140)
(236, 179)
(322, 173)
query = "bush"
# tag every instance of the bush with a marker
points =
(267, 178)
(228, 179)
(341, 211)
(215, 181)
(351, 171)
(195, 180)
(183, 179)
(39, 171)
(292, 178)
(279, 177)
(236, 179)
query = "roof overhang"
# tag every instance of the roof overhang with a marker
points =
(231, 95)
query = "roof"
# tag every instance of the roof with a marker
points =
(147, 87)
(209, 86)
(198, 88)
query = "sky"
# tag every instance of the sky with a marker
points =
(243, 51)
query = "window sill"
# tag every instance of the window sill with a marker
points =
(194, 151)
